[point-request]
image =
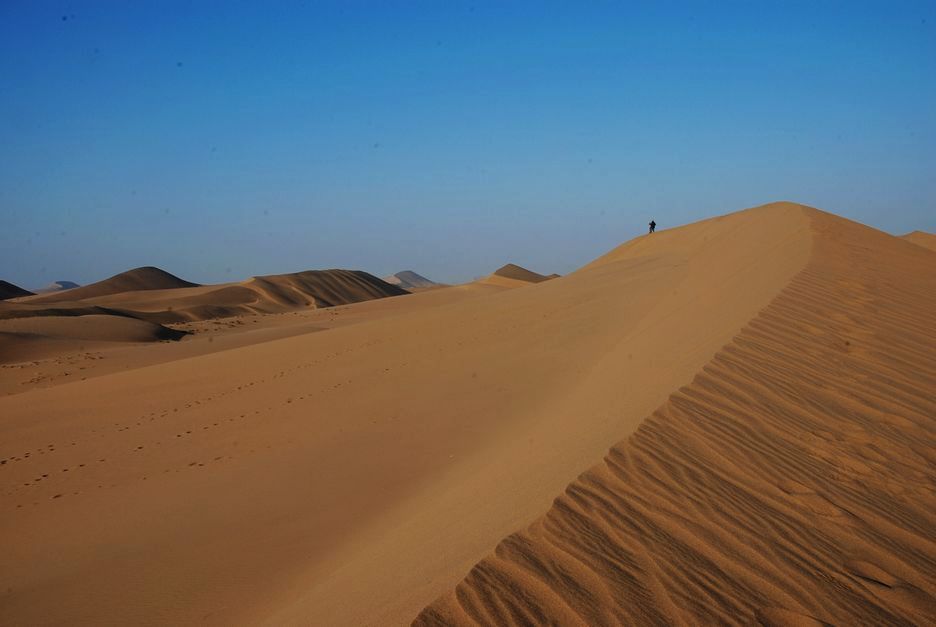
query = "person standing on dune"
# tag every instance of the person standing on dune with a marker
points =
(652, 226)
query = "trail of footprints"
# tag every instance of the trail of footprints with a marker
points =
(23, 491)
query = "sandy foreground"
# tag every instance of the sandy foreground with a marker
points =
(766, 381)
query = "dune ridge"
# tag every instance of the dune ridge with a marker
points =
(790, 483)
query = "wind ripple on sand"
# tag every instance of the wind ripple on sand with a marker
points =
(790, 483)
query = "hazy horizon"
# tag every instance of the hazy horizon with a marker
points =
(219, 142)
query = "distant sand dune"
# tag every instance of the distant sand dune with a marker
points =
(263, 294)
(8, 290)
(512, 275)
(145, 278)
(57, 286)
(921, 238)
(790, 483)
(409, 280)
(186, 302)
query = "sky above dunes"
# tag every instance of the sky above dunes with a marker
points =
(221, 140)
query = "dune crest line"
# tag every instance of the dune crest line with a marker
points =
(790, 483)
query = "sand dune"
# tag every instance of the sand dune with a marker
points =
(356, 475)
(8, 290)
(921, 238)
(145, 278)
(57, 286)
(790, 483)
(409, 280)
(385, 457)
(512, 275)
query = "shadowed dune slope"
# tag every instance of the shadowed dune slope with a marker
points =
(790, 483)
(23, 339)
(145, 278)
(8, 290)
(921, 238)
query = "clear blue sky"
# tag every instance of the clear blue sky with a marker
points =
(220, 140)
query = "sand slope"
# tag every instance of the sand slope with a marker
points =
(145, 278)
(790, 483)
(354, 475)
(8, 290)
(921, 238)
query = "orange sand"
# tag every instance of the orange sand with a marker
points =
(345, 473)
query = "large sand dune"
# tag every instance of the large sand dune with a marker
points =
(790, 483)
(355, 476)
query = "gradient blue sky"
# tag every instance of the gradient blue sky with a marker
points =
(220, 140)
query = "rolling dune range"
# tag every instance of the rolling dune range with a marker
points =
(155, 295)
(134, 306)
(355, 473)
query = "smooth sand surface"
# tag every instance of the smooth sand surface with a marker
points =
(791, 483)
(355, 473)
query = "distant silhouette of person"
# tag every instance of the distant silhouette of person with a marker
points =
(652, 226)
